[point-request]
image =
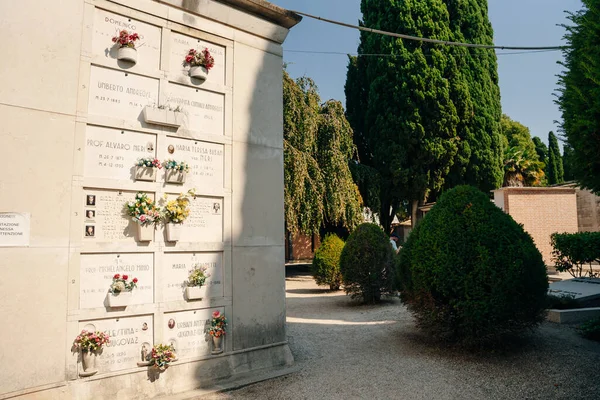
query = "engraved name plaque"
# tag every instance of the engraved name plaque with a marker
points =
(176, 268)
(187, 331)
(97, 271)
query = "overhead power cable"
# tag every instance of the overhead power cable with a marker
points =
(397, 55)
(436, 41)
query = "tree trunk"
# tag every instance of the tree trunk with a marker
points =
(414, 210)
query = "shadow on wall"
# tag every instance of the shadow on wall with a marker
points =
(257, 313)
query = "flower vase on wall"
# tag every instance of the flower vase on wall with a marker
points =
(88, 362)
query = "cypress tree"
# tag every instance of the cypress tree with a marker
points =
(579, 94)
(407, 107)
(541, 149)
(554, 170)
(567, 162)
(480, 156)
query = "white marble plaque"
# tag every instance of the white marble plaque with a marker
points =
(177, 266)
(128, 335)
(181, 45)
(14, 229)
(206, 161)
(113, 153)
(205, 223)
(97, 271)
(107, 25)
(187, 331)
(105, 217)
(119, 94)
(203, 110)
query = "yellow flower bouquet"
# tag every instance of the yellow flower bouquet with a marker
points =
(177, 210)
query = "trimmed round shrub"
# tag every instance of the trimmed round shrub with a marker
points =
(367, 263)
(470, 273)
(326, 263)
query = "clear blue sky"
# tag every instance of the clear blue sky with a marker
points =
(527, 81)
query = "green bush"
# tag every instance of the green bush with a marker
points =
(326, 263)
(590, 329)
(470, 273)
(574, 250)
(366, 264)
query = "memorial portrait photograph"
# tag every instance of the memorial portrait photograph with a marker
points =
(90, 231)
(91, 200)
(90, 214)
(216, 208)
(171, 323)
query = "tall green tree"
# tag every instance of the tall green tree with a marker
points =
(579, 94)
(522, 166)
(408, 106)
(554, 169)
(568, 162)
(541, 149)
(480, 155)
(319, 189)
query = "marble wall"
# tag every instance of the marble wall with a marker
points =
(74, 126)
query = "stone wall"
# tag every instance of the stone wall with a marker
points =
(542, 211)
(74, 123)
(588, 211)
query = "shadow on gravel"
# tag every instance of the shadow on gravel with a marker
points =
(309, 291)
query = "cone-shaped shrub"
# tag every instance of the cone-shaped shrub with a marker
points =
(470, 273)
(367, 263)
(326, 263)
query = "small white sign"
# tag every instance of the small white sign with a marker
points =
(14, 229)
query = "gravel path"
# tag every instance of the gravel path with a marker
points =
(349, 351)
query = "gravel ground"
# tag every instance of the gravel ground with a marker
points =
(350, 351)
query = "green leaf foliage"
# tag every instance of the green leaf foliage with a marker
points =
(319, 189)
(470, 273)
(579, 94)
(479, 159)
(326, 263)
(366, 264)
(568, 162)
(574, 251)
(541, 149)
(522, 166)
(590, 329)
(554, 170)
(401, 107)
(427, 117)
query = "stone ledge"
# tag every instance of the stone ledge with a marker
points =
(266, 10)
(574, 316)
(236, 382)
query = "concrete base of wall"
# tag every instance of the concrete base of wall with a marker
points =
(208, 375)
(575, 316)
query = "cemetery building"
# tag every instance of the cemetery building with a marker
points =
(106, 115)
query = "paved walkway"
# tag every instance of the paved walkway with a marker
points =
(349, 351)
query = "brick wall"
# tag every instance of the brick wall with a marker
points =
(542, 211)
